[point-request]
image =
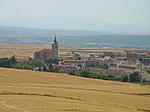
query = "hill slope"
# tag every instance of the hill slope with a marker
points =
(29, 91)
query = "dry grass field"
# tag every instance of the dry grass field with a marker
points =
(8, 50)
(29, 91)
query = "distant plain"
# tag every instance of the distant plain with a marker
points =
(8, 50)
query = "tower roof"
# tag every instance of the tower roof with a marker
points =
(55, 40)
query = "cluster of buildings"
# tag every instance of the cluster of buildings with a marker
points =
(118, 62)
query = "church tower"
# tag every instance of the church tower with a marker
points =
(55, 48)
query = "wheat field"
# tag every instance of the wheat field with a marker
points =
(8, 50)
(29, 91)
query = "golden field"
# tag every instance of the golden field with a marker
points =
(29, 91)
(8, 50)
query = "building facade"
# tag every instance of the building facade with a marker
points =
(47, 54)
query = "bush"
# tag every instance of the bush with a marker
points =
(50, 68)
(124, 78)
(5, 62)
(34, 63)
(54, 61)
(143, 80)
(13, 60)
(56, 70)
(104, 66)
(61, 71)
(85, 73)
(23, 66)
(134, 77)
(30, 65)
(45, 69)
(71, 72)
(100, 76)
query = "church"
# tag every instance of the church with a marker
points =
(47, 54)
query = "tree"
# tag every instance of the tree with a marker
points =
(124, 78)
(45, 69)
(56, 70)
(134, 77)
(5, 62)
(50, 68)
(104, 65)
(61, 71)
(13, 60)
(39, 69)
(102, 76)
(54, 61)
(71, 72)
(85, 73)
(77, 56)
(34, 63)
(143, 80)
(79, 65)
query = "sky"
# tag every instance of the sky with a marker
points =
(102, 15)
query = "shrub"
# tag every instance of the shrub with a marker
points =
(71, 72)
(100, 76)
(5, 62)
(143, 81)
(45, 69)
(104, 66)
(61, 71)
(30, 65)
(124, 78)
(134, 77)
(50, 68)
(85, 73)
(34, 63)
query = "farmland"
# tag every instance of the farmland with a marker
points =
(29, 91)
(8, 50)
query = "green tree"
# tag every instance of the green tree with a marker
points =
(5, 62)
(85, 73)
(34, 63)
(134, 77)
(13, 60)
(56, 70)
(50, 68)
(124, 77)
(100, 76)
(61, 71)
(104, 65)
(143, 80)
(39, 69)
(71, 72)
(45, 69)
(103, 76)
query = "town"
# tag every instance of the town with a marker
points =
(103, 65)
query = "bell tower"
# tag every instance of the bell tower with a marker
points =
(55, 48)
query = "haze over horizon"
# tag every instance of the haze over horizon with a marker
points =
(119, 16)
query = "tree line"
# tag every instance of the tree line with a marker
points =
(82, 72)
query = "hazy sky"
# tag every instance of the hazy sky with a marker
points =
(102, 15)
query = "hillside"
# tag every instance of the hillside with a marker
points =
(29, 91)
